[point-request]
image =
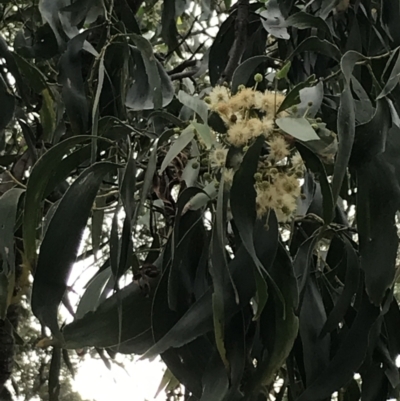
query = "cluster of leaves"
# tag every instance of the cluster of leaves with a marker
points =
(94, 130)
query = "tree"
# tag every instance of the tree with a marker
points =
(245, 186)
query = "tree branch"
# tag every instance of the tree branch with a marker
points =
(239, 44)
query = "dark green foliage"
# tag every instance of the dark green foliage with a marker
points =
(94, 128)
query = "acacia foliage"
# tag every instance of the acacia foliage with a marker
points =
(100, 122)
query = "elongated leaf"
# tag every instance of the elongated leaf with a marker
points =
(298, 128)
(8, 215)
(102, 328)
(303, 20)
(194, 103)
(317, 45)
(91, 297)
(7, 104)
(205, 133)
(246, 70)
(40, 176)
(310, 100)
(273, 20)
(60, 245)
(215, 380)
(243, 198)
(347, 359)
(293, 97)
(54, 375)
(279, 332)
(393, 79)
(183, 140)
(350, 287)
(73, 89)
(199, 319)
(378, 194)
(96, 103)
(312, 318)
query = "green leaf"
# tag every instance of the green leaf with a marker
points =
(273, 20)
(347, 359)
(350, 264)
(152, 87)
(394, 77)
(91, 297)
(102, 327)
(48, 116)
(8, 215)
(7, 104)
(293, 97)
(194, 103)
(215, 381)
(54, 375)
(243, 200)
(201, 199)
(205, 133)
(314, 44)
(35, 77)
(346, 133)
(73, 88)
(150, 64)
(310, 100)
(279, 324)
(303, 20)
(43, 171)
(61, 242)
(313, 162)
(95, 108)
(179, 144)
(246, 70)
(282, 73)
(298, 128)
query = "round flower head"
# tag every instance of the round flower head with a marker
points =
(270, 102)
(267, 125)
(243, 100)
(219, 94)
(239, 134)
(255, 127)
(218, 157)
(278, 148)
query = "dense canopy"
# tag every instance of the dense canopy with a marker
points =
(232, 171)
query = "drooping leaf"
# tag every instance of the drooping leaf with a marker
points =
(312, 317)
(179, 144)
(243, 198)
(7, 104)
(8, 216)
(246, 70)
(39, 179)
(91, 297)
(314, 44)
(102, 328)
(348, 357)
(194, 103)
(293, 97)
(61, 242)
(351, 265)
(297, 127)
(73, 89)
(54, 375)
(273, 20)
(378, 195)
(303, 20)
(215, 380)
(205, 133)
(152, 87)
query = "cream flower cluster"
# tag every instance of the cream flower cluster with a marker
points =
(247, 115)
